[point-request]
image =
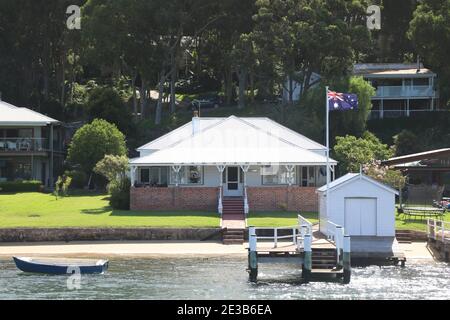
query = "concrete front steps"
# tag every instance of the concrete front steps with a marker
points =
(233, 236)
(233, 220)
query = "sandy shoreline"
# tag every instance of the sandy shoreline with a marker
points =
(122, 249)
(126, 249)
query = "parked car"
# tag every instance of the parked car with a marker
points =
(206, 101)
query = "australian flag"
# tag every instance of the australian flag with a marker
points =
(342, 101)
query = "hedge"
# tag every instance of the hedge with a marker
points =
(21, 186)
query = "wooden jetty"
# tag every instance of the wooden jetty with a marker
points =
(317, 255)
(438, 233)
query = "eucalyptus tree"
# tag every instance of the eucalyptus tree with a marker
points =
(429, 31)
(300, 37)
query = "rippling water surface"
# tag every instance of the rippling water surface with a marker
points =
(226, 278)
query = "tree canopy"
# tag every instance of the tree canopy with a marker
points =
(93, 141)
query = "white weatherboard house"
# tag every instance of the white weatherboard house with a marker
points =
(31, 145)
(364, 207)
(197, 165)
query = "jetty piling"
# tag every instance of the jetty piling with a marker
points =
(346, 260)
(252, 255)
(307, 261)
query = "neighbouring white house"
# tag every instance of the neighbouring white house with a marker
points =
(31, 145)
(401, 89)
(197, 165)
(364, 207)
(297, 86)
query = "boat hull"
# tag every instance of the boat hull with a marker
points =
(39, 267)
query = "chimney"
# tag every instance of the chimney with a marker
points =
(418, 64)
(195, 123)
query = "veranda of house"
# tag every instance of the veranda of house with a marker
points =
(197, 165)
(196, 187)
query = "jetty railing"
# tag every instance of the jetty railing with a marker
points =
(276, 234)
(336, 235)
(438, 230)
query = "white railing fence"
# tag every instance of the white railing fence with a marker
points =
(438, 229)
(294, 232)
(335, 234)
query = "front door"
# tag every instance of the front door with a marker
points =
(233, 187)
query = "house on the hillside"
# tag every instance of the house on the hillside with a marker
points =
(401, 89)
(31, 145)
(207, 160)
(296, 86)
(430, 168)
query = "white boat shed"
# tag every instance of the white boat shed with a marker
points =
(364, 207)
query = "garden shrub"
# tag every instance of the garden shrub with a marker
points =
(79, 178)
(21, 186)
(120, 194)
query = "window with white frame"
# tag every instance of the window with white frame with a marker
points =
(153, 176)
(187, 175)
(277, 175)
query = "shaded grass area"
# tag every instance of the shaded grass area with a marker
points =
(404, 222)
(90, 210)
(279, 219)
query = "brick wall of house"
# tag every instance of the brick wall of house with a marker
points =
(265, 198)
(181, 198)
(293, 198)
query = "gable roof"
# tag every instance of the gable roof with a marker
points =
(232, 140)
(349, 177)
(380, 70)
(262, 123)
(12, 115)
(405, 159)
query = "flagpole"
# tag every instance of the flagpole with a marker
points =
(328, 150)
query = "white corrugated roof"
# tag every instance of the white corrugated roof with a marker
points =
(350, 176)
(233, 140)
(338, 181)
(178, 134)
(262, 123)
(12, 115)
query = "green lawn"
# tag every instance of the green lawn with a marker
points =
(278, 219)
(89, 210)
(92, 210)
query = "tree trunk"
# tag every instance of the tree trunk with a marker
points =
(242, 86)
(133, 86)
(228, 86)
(252, 87)
(158, 114)
(291, 90)
(63, 80)
(143, 96)
(173, 75)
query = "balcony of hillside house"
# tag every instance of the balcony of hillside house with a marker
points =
(405, 91)
(23, 145)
